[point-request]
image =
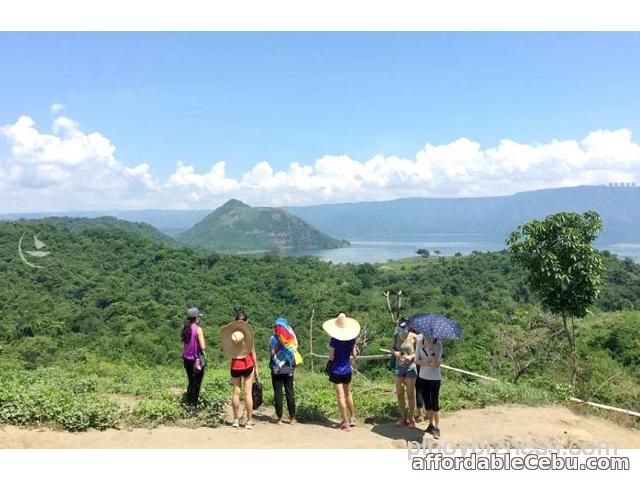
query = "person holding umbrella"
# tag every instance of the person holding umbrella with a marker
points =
(428, 356)
(432, 328)
(342, 346)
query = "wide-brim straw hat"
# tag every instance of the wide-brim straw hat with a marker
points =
(237, 338)
(342, 327)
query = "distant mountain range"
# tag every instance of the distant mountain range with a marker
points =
(491, 216)
(77, 224)
(235, 226)
(494, 216)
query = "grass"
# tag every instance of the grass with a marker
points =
(103, 395)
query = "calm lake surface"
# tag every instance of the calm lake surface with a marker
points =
(377, 250)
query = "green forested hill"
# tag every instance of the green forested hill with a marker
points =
(118, 296)
(78, 224)
(237, 227)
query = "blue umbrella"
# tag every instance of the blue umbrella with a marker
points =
(435, 326)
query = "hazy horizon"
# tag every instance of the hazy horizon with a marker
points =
(161, 209)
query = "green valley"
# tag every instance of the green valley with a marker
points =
(101, 321)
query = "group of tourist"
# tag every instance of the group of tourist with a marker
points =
(416, 366)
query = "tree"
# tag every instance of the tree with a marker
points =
(523, 340)
(423, 252)
(564, 269)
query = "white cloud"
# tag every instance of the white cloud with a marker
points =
(66, 169)
(69, 169)
(56, 108)
(214, 181)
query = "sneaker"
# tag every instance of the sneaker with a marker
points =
(236, 423)
(436, 433)
(249, 425)
(430, 429)
(293, 421)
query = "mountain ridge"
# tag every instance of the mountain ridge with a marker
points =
(496, 215)
(79, 224)
(483, 215)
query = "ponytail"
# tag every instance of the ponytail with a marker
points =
(185, 334)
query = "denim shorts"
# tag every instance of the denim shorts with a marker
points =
(405, 373)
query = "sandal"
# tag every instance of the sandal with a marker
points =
(411, 423)
(401, 422)
(344, 426)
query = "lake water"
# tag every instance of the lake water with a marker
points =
(378, 250)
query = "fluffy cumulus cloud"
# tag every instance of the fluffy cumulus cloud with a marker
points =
(66, 169)
(70, 169)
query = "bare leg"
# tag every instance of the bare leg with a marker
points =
(248, 397)
(430, 416)
(235, 398)
(350, 406)
(401, 403)
(342, 404)
(410, 383)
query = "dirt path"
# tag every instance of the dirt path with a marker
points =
(500, 426)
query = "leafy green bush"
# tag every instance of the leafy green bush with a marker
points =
(22, 404)
(85, 385)
(158, 411)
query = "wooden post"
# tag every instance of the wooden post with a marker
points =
(386, 296)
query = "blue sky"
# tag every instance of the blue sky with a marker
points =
(246, 98)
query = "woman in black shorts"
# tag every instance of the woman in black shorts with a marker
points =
(428, 356)
(237, 341)
(342, 346)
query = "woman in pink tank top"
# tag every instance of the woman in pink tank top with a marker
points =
(193, 345)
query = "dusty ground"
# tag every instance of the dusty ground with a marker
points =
(498, 426)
